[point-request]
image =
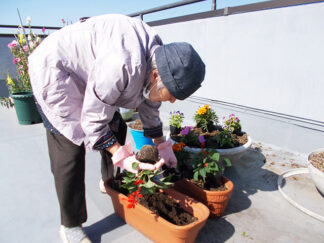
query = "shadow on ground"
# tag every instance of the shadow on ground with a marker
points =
(96, 230)
(249, 176)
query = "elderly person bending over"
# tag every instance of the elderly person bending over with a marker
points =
(80, 75)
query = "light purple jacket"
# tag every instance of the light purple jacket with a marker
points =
(83, 72)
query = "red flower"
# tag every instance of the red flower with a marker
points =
(205, 164)
(202, 144)
(132, 198)
(137, 182)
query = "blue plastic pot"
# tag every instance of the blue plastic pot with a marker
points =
(139, 138)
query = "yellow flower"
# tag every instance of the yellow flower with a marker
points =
(9, 80)
(21, 39)
(206, 107)
(201, 111)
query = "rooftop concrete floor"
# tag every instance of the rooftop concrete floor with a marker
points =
(257, 212)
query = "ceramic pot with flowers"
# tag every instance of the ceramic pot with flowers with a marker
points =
(227, 138)
(20, 90)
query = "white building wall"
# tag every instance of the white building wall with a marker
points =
(271, 60)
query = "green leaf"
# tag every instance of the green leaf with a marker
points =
(195, 176)
(149, 184)
(202, 172)
(207, 169)
(215, 156)
(216, 167)
(134, 165)
(127, 179)
(147, 172)
(227, 162)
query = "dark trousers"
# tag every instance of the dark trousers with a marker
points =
(68, 168)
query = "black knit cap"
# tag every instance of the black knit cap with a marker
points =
(181, 68)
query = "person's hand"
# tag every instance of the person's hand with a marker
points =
(166, 153)
(127, 164)
(124, 158)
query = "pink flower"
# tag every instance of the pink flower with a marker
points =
(25, 48)
(43, 30)
(12, 44)
(15, 60)
(63, 21)
(21, 67)
(201, 139)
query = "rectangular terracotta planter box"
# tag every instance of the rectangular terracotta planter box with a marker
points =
(216, 201)
(155, 227)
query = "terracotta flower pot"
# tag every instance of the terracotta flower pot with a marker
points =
(155, 227)
(216, 201)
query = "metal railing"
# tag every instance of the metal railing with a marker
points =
(212, 13)
(166, 7)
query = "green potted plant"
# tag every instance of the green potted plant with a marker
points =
(20, 90)
(175, 122)
(206, 118)
(146, 203)
(227, 138)
(206, 181)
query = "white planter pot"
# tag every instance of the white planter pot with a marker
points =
(234, 154)
(316, 175)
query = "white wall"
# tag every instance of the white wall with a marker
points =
(271, 60)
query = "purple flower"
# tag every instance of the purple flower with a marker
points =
(43, 30)
(231, 115)
(201, 139)
(186, 130)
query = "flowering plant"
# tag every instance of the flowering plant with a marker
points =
(205, 116)
(143, 183)
(21, 48)
(225, 139)
(188, 136)
(207, 163)
(176, 119)
(181, 154)
(232, 123)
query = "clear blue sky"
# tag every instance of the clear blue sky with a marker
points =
(50, 13)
